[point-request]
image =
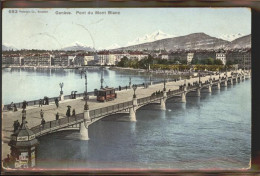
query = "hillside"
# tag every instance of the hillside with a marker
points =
(187, 42)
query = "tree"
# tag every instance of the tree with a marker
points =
(123, 62)
(218, 62)
(229, 62)
(195, 61)
(184, 62)
(210, 61)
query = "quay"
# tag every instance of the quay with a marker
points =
(124, 103)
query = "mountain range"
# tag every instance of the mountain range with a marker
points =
(230, 37)
(6, 47)
(157, 35)
(242, 42)
(76, 46)
(160, 40)
(193, 41)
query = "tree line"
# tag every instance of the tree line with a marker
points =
(174, 64)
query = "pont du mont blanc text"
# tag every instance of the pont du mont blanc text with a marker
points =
(88, 12)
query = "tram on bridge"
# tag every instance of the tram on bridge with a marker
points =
(106, 94)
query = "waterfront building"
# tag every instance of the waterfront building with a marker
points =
(60, 60)
(88, 58)
(30, 60)
(221, 55)
(43, 60)
(163, 55)
(137, 55)
(105, 58)
(12, 59)
(178, 56)
(247, 59)
(190, 56)
(71, 59)
(204, 54)
(242, 57)
(36, 60)
(119, 55)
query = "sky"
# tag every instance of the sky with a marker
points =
(54, 31)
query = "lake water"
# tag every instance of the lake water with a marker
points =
(212, 131)
(29, 84)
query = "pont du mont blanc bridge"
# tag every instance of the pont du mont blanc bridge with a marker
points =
(128, 101)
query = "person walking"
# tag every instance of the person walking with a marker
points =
(57, 116)
(24, 104)
(41, 113)
(15, 125)
(57, 102)
(18, 124)
(68, 111)
(40, 102)
(73, 112)
(47, 101)
(15, 108)
(42, 122)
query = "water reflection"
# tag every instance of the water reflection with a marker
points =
(133, 127)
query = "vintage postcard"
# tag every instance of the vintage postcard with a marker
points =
(126, 89)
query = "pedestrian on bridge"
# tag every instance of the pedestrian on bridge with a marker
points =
(57, 102)
(15, 125)
(40, 102)
(24, 104)
(57, 116)
(68, 111)
(73, 112)
(15, 108)
(43, 122)
(41, 113)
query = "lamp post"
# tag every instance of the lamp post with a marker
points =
(102, 79)
(134, 88)
(86, 90)
(23, 114)
(130, 82)
(61, 86)
(199, 76)
(164, 84)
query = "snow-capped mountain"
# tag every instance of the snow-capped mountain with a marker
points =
(194, 41)
(77, 46)
(113, 46)
(157, 35)
(6, 47)
(239, 43)
(230, 37)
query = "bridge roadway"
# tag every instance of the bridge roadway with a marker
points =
(124, 98)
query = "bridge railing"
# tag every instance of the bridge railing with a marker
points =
(96, 113)
(56, 123)
(174, 92)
